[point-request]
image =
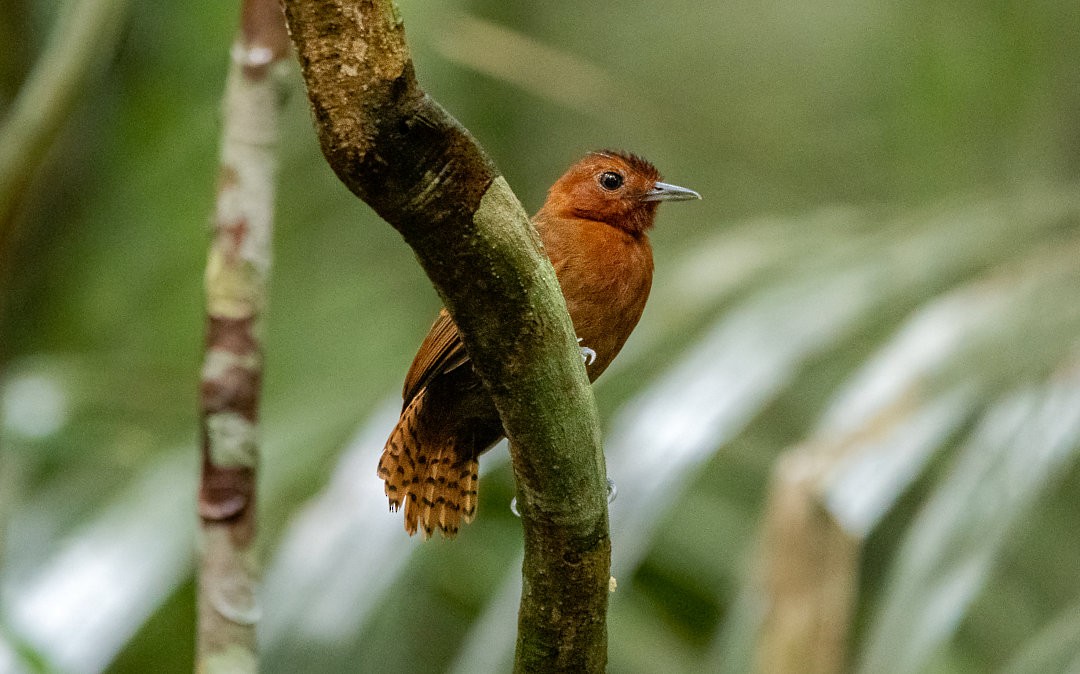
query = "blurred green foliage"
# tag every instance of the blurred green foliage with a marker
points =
(925, 148)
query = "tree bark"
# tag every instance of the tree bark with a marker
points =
(808, 568)
(237, 275)
(404, 155)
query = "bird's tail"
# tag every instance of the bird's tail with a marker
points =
(436, 486)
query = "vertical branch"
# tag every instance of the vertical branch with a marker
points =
(237, 274)
(809, 572)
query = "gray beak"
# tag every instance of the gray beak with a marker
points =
(667, 192)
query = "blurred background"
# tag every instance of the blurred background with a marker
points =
(845, 434)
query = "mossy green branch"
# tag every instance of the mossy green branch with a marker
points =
(404, 155)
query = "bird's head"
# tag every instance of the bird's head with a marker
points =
(622, 190)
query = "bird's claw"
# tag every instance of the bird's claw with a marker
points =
(588, 356)
(612, 492)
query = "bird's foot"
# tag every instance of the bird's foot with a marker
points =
(612, 492)
(587, 354)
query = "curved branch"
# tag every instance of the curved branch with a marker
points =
(399, 151)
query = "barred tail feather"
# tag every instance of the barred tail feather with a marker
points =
(397, 466)
(436, 487)
(447, 495)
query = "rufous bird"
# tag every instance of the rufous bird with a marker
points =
(594, 226)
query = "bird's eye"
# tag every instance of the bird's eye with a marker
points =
(611, 181)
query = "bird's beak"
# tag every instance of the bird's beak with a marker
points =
(667, 192)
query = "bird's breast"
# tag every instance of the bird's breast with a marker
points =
(605, 275)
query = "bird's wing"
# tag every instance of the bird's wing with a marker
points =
(441, 352)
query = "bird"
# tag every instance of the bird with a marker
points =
(594, 228)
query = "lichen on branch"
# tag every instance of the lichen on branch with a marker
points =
(236, 282)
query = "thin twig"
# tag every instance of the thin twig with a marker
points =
(237, 276)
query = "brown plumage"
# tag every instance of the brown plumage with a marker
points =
(593, 226)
